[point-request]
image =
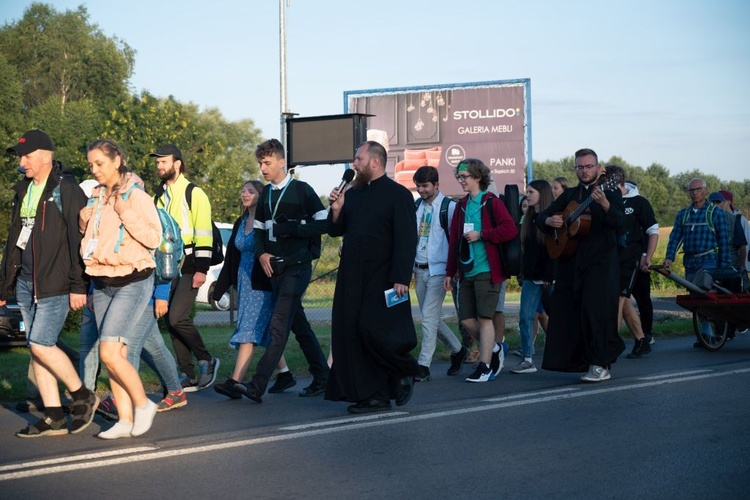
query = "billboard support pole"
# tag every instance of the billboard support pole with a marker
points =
(282, 64)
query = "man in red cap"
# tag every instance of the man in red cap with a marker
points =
(43, 269)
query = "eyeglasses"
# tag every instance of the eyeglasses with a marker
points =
(695, 190)
(462, 177)
(586, 167)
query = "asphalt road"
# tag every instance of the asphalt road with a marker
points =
(671, 425)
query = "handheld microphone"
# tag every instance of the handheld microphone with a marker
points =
(346, 179)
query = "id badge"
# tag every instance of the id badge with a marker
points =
(468, 226)
(90, 247)
(269, 230)
(23, 238)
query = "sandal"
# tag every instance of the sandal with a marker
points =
(45, 427)
(82, 411)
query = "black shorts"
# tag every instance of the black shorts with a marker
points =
(628, 270)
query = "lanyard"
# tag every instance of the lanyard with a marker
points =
(98, 216)
(27, 210)
(273, 212)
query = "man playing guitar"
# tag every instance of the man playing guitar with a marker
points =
(583, 320)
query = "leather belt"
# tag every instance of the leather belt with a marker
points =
(421, 266)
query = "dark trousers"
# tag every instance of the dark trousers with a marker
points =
(288, 289)
(642, 294)
(186, 339)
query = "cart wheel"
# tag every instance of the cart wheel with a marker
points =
(712, 342)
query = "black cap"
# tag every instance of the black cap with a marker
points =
(30, 142)
(166, 150)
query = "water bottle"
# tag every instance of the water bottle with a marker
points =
(166, 249)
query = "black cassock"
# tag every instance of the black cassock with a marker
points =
(371, 342)
(583, 310)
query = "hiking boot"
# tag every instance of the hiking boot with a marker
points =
(82, 412)
(209, 370)
(457, 361)
(107, 409)
(640, 348)
(423, 375)
(188, 384)
(226, 388)
(481, 373)
(172, 400)
(45, 427)
(524, 367)
(284, 381)
(497, 361)
(596, 374)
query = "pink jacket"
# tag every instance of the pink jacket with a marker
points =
(123, 241)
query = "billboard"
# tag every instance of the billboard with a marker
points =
(440, 125)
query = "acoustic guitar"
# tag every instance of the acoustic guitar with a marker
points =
(562, 242)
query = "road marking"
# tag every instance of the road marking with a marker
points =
(670, 375)
(358, 423)
(338, 421)
(69, 458)
(531, 394)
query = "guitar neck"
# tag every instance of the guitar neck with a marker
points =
(578, 211)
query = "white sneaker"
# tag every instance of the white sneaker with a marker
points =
(596, 374)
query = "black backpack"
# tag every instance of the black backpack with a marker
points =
(510, 251)
(217, 252)
(443, 213)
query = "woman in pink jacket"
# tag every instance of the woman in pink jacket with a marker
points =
(121, 228)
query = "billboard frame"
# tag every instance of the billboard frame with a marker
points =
(524, 82)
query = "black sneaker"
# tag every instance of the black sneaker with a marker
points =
(457, 361)
(209, 370)
(640, 348)
(314, 389)
(481, 374)
(650, 339)
(227, 389)
(423, 375)
(497, 361)
(283, 382)
(249, 390)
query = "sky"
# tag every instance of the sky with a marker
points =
(651, 81)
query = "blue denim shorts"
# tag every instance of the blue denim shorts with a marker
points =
(117, 309)
(45, 319)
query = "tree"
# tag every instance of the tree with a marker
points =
(62, 55)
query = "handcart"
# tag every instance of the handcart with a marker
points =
(724, 307)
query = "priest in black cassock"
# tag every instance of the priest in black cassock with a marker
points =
(371, 342)
(583, 330)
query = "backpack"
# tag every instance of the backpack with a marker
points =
(510, 251)
(217, 252)
(444, 206)
(168, 255)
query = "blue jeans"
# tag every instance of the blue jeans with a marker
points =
(44, 319)
(430, 294)
(531, 297)
(150, 346)
(707, 263)
(88, 365)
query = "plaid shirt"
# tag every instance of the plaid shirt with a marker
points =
(700, 243)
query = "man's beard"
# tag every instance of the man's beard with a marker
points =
(363, 178)
(168, 175)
